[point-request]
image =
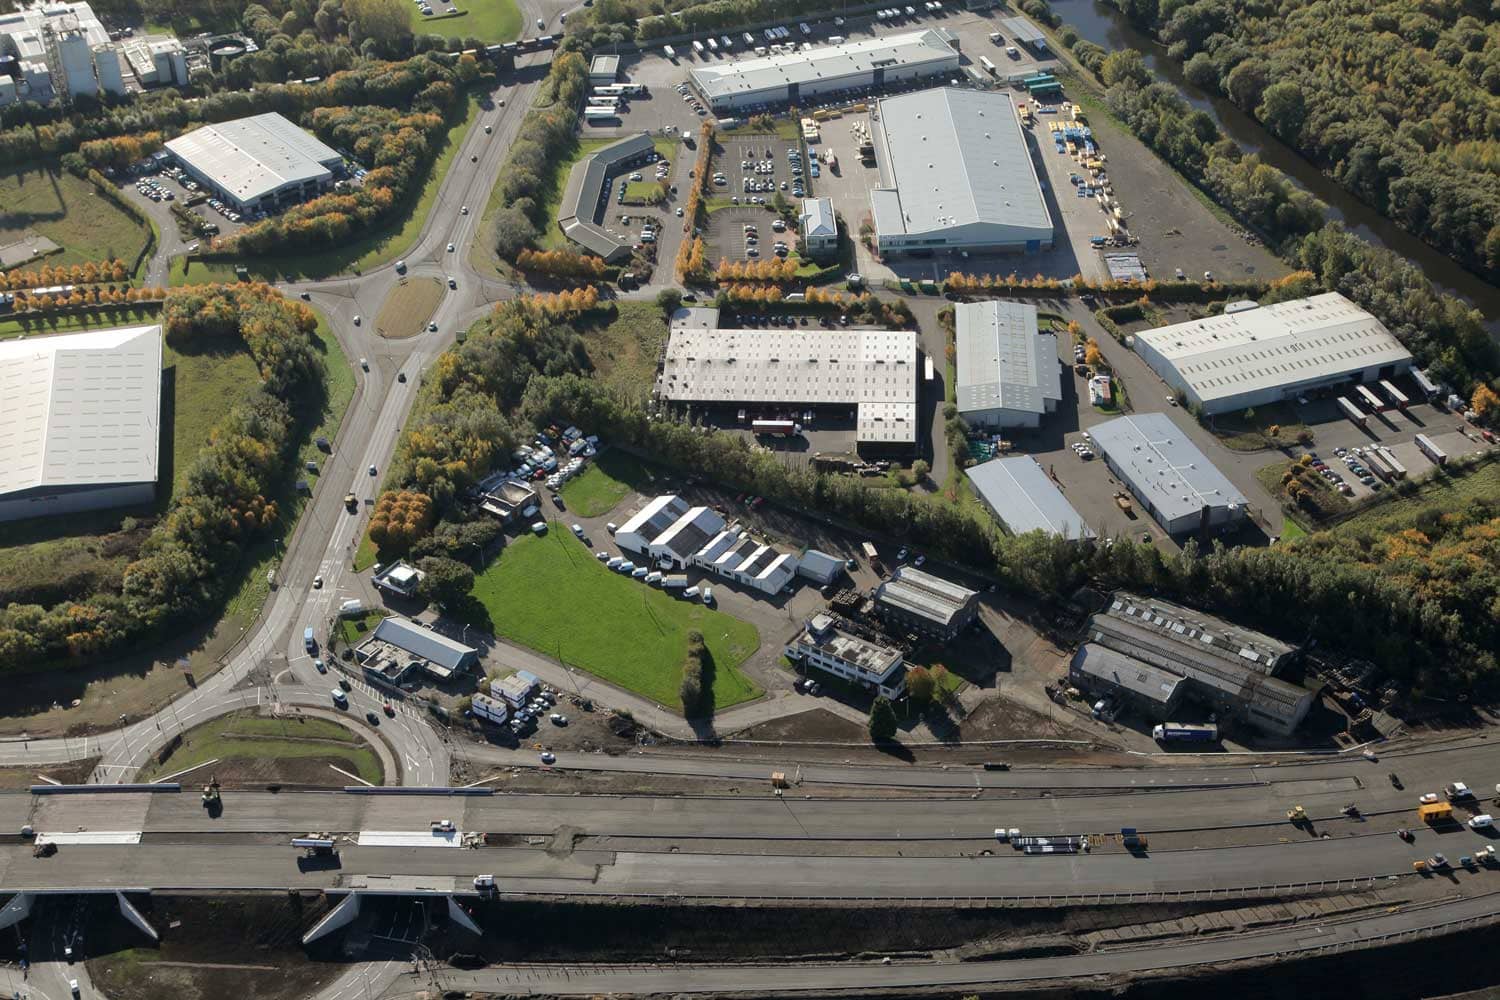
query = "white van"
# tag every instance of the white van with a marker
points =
(691, 593)
(708, 595)
(1481, 822)
(484, 881)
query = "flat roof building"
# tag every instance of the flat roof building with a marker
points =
(604, 70)
(955, 174)
(257, 163)
(1168, 474)
(1226, 666)
(925, 603)
(586, 198)
(787, 78)
(830, 644)
(407, 645)
(873, 372)
(400, 578)
(1009, 374)
(82, 425)
(1255, 355)
(1021, 496)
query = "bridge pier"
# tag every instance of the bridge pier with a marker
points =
(130, 913)
(339, 917)
(461, 917)
(17, 910)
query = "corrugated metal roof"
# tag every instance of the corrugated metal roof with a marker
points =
(1126, 672)
(924, 595)
(1019, 491)
(1161, 465)
(256, 156)
(1280, 344)
(957, 158)
(825, 64)
(1003, 362)
(81, 409)
(422, 642)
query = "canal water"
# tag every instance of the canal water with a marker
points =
(1105, 26)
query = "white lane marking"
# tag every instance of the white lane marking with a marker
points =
(362, 781)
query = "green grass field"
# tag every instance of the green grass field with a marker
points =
(486, 20)
(605, 482)
(551, 594)
(379, 247)
(203, 385)
(354, 630)
(53, 203)
(234, 738)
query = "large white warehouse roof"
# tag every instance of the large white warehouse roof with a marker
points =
(1288, 343)
(737, 78)
(1018, 491)
(951, 158)
(873, 370)
(82, 409)
(256, 156)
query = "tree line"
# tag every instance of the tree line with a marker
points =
(1398, 100)
(192, 559)
(547, 135)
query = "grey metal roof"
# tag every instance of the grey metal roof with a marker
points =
(1161, 465)
(1126, 672)
(1267, 346)
(81, 409)
(1023, 30)
(256, 156)
(1235, 662)
(654, 518)
(580, 211)
(605, 65)
(422, 642)
(1003, 362)
(1021, 494)
(818, 218)
(924, 595)
(820, 565)
(826, 64)
(956, 157)
(687, 535)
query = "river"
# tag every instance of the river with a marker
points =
(1105, 26)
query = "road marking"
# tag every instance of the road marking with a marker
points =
(50, 781)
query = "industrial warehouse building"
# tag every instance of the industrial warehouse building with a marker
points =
(1173, 480)
(833, 645)
(260, 163)
(1231, 669)
(82, 427)
(586, 198)
(872, 372)
(929, 605)
(1018, 492)
(1009, 375)
(790, 78)
(1253, 355)
(673, 535)
(955, 174)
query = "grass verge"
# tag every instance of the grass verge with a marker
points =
(551, 594)
(287, 749)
